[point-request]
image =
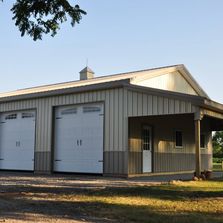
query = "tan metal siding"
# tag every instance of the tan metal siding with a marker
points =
(120, 119)
(172, 82)
(107, 122)
(125, 133)
(115, 137)
(111, 121)
(129, 103)
(116, 124)
(140, 109)
(177, 162)
(146, 105)
(119, 104)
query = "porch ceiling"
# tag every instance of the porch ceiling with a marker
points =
(213, 112)
(216, 124)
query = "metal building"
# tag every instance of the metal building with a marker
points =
(150, 121)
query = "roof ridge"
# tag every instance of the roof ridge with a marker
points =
(143, 70)
(99, 77)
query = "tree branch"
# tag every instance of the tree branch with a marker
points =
(38, 17)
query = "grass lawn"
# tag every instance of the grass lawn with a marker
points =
(217, 167)
(178, 202)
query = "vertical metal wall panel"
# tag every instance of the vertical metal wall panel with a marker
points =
(129, 103)
(160, 105)
(146, 105)
(90, 96)
(140, 108)
(155, 105)
(79, 97)
(120, 120)
(94, 96)
(188, 107)
(125, 121)
(171, 106)
(182, 107)
(150, 105)
(125, 158)
(102, 96)
(166, 106)
(116, 123)
(116, 162)
(111, 120)
(177, 162)
(177, 107)
(107, 122)
(135, 103)
(49, 132)
(82, 98)
(115, 131)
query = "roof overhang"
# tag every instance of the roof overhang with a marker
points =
(87, 88)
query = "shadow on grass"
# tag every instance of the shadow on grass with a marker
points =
(164, 192)
(102, 212)
(14, 202)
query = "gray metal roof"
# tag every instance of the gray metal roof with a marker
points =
(135, 75)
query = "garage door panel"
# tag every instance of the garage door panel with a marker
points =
(11, 165)
(17, 138)
(79, 140)
(77, 166)
(18, 155)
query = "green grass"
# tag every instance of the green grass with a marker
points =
(217, 167)
(177, 202)
(217, 160)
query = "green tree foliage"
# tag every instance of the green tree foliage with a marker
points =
(218, 144)
(38, 17)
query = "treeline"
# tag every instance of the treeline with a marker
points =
(217, 141)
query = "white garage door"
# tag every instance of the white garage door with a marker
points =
(17, 138)
(79, 139)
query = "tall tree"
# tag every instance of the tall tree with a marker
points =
(218, 144)
(38, 17)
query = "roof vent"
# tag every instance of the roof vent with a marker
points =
(86, 73)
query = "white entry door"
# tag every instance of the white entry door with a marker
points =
(17, 139)
(147, 149)
(79, 139)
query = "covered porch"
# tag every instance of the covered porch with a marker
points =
(177, 143)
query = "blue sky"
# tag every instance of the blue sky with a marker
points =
(119, 36)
